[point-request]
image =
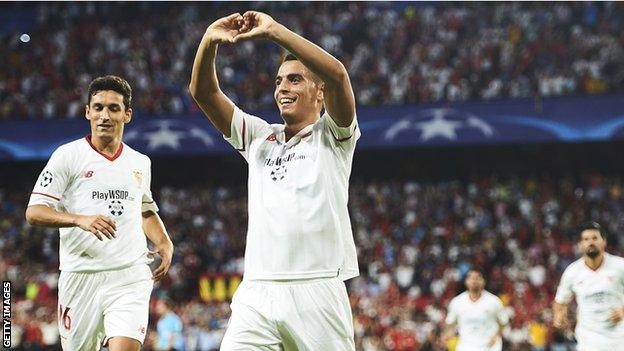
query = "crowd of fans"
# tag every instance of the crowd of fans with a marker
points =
(396, 53)
(416, 241)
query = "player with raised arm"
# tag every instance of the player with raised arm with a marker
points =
(300, 244)
(478, 315)
(96, 190)
(596, 280)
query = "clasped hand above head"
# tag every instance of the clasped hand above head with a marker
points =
(237, 27)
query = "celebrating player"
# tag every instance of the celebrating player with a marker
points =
(479, 316)
(97, 191)
(300, 245)
(596, 280)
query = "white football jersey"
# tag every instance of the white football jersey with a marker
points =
(79, 179)
(477, 321)
(299, 226)
(597, 292)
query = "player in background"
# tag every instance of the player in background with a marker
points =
(96, 190)
(478, 315)
(300, 244)
(596, 281)
(168, 328)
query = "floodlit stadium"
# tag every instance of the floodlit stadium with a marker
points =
(491, 135)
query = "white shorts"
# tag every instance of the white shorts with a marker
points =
(295, 315)
(93, 307)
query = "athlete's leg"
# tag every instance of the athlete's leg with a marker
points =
(123, 343)
(316, 316)
(79, 311)
(250, 326)
(126, 307)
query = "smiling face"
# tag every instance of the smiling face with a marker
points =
(107, 114)
(592, 243)
(297, 94)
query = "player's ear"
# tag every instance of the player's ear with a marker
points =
(87, 112)
(320, 92)
(128, 115)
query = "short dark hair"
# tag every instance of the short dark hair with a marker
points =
(287, 56)
(477, 270)
(592, 226)
(113, 83)
(168, 302)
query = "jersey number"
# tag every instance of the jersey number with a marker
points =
(63, 315)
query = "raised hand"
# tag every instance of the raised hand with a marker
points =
(225, 29)
(255, 25)
(100, 226)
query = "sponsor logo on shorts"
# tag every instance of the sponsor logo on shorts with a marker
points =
(142, 329)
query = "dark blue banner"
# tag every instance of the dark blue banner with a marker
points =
(595, 118)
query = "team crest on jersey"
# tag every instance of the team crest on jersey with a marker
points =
(45, 179)
(115, 207)
(138, 177)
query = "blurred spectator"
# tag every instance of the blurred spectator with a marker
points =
(396, 53)
(169, 328)
(416, 241)
(538, 335)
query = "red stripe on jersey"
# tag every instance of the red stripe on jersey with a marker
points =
(48, 195)
(243, 149)
(110, 158)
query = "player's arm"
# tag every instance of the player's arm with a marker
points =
(450, 330)
(338, 93)
(502, 319)
(155, 231)
(44, 216)
(204, 86)
(560, 315)
(563, 297)
(498, 334)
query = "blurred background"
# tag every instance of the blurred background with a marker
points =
(489, 132)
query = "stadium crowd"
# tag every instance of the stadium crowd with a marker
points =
(416, 241)
(396, 52)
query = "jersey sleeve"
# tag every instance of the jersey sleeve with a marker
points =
(451, 314)
(244, 129)
(564, 290)
(147, 203)
(501, 315)
(52, 181)
(343, 138)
